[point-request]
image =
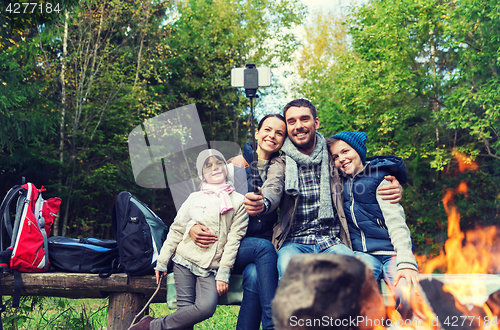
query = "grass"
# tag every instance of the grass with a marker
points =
(38, 313)
(55, 313)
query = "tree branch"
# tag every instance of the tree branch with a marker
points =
(487, 144)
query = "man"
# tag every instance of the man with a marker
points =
(307, 193)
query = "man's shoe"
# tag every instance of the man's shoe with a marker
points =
(143, 323)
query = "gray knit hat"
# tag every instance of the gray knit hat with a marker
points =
(202, 156)
(357, 140)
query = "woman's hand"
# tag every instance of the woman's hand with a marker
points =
(222, 287)
(202, 236)
(254, 204)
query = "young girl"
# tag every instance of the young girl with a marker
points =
(201, 274)
(378, 230)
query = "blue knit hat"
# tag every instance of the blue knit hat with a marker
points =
(357, 140)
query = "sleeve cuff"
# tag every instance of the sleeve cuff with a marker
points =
(189, 225)
(223, 274)
(266, 205)
(161, 267)
(407, 265)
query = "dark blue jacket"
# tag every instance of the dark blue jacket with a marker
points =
(367, 227)
(260, 226)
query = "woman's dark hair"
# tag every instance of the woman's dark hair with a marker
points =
(275, 115)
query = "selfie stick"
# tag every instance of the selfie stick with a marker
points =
(248, 78)
(251, 83)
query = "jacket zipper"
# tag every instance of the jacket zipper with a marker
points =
(363, 239)
(24, 211)
(36, 256)
(381, 224)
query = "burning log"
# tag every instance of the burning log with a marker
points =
(493, 303)
(328, 291)
(443, 304)
(447, 312)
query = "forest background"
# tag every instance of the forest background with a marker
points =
(419, 76)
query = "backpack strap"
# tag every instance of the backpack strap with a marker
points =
(16, 297)
(2, 306)
(115, 268)
(17, 292)
(5, 220)
(21, 207)
(18, 283)
(45, 241)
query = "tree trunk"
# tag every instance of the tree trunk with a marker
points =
(63, 114)
(143, 33)
(434, 103)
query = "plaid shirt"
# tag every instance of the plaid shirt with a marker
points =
(306, 227)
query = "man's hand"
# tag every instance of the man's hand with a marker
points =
(202, 236)
(222, 287)
(158, 277)
(254, 204)
(392, 192)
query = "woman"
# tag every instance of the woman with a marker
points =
(257, 258)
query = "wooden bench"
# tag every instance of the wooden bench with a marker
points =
(125, 300)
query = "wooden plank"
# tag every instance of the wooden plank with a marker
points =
(82, 285)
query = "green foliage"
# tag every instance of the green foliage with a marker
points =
(421, 78)
(73, 85)
(203, 40)
(23, 107)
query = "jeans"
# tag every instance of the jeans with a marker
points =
(257, 260)
(384, 268)
(197, 299)
(289, 249)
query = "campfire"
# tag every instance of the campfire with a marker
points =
(328, 291)
(467, 295)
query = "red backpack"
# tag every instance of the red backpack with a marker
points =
(24, 243)
(32, 224)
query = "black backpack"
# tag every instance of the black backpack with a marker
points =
(140, 234)
(82, 255)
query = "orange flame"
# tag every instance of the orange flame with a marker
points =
(465, 163)
(423, 317)
(463, 253)
(493, 324)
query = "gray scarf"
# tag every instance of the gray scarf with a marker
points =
(294, 158)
